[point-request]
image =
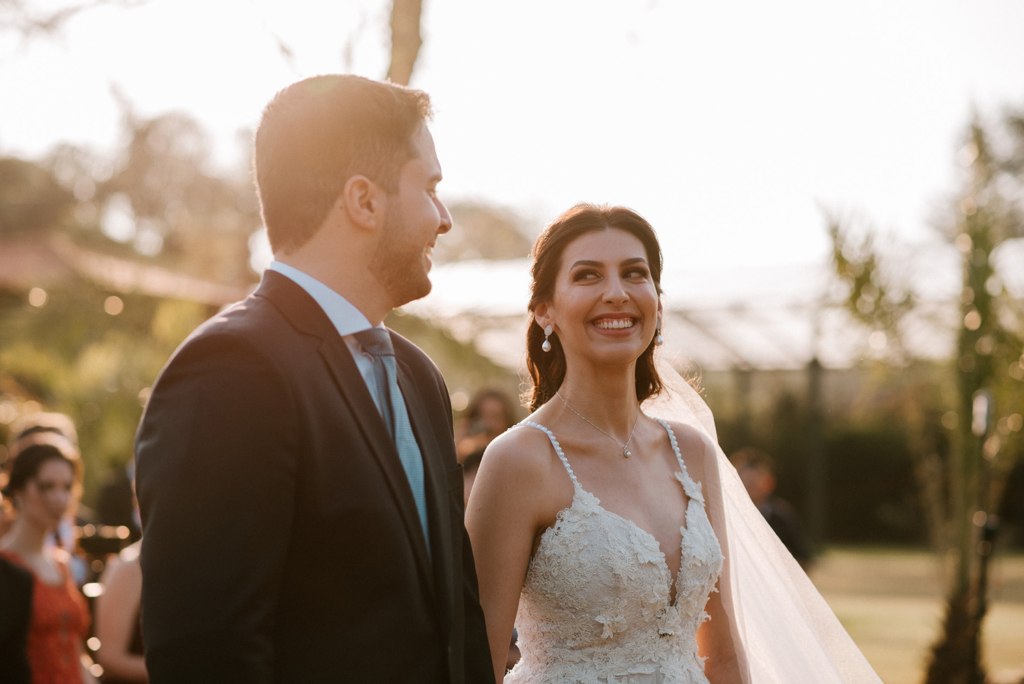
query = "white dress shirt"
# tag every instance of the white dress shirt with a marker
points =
(347, 320)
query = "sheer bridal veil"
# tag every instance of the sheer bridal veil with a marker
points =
(785, 632)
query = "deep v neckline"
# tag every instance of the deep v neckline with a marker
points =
(682, 476)
(673, 590)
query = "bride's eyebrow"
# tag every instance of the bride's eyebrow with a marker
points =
(599, 264)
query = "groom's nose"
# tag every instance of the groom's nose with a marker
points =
(446, 218)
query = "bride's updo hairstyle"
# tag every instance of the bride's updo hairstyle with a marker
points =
(547, 369)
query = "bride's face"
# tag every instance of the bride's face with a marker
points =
(605, 305)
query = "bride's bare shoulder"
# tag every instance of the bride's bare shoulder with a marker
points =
(520, 472)
(686, 436)
(692, 448)
(522, 453)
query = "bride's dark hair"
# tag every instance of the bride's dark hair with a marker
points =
(547, 369)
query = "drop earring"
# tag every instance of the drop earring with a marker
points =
(658, 339)
(546, 346)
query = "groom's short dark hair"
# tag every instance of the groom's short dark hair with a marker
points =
(318, 133)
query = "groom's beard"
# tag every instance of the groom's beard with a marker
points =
(398, 262)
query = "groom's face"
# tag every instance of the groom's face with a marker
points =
(415, 217)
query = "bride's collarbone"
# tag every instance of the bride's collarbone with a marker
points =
(642, 488)
(596, 460)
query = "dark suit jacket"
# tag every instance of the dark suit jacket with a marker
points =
(281, 541)
(15, 617)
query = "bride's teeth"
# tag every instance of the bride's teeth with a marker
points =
(615, 325)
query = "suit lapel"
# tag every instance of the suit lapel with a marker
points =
(435, 482)
(307, 316)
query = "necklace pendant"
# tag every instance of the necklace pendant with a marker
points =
(626, 452)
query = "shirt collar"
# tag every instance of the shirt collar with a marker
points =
(347, 319)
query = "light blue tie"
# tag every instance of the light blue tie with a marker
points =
(377, 343)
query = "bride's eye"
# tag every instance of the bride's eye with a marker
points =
(636, 272)
(585, 274)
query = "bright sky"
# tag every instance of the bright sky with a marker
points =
(727, 124)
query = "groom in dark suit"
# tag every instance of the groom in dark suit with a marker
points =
(301, 500)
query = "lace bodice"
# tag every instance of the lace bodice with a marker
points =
(595, 607)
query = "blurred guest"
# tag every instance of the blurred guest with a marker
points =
(44, 477)
(64, 536)
(489, 413)
(117, 502)
(16, 600)
(470, 464)
(118, 627)
(34, 423)
(757, 471)
(1011, 507)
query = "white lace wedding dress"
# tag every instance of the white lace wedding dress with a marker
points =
(596, 605)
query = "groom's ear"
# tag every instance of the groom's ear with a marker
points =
(362, 201)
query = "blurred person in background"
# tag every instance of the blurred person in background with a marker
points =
(757, 471)
(118, 621)
(1011, 506)
(64, 536)
(489, 414)
(470, 465)
(116, 505)
(44, 479)
(15, 615)
(295, 465)
(55, 423)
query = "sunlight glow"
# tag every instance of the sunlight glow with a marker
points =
(37, 297)
(726, 125)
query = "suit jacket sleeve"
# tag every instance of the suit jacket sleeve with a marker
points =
(477, 665)
(216, 475)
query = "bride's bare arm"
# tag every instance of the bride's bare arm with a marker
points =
(505, 512)
(714, 642)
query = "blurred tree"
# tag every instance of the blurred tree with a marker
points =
(986, 215)
(405, 39)
(31, 199)
(460, 363)
(162, 199)
(75, 345)
(72, 356)
(483, 231)
(72, 344)
(28, 19)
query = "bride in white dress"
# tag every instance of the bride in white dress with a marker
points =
(604, 534)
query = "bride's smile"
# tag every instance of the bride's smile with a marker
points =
(605, 304)
(615, 322)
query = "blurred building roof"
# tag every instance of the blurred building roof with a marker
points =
(56, 261)
(777, 316)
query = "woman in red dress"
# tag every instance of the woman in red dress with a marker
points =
(44, 476)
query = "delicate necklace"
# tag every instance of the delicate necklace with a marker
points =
(625, 451)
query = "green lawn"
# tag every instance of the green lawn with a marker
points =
(891, 603)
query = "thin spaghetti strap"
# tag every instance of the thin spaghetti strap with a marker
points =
(557, 447)
(675, 444)
(692, 488)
